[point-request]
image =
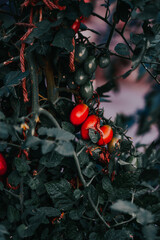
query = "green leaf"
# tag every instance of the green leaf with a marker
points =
(122, 49)
(76, 214)
(77, 193)
(47, 146)
(49, 211)
(51, 160)
(125, 207)
(12, 214)
(107, 186)
(68, 127)
(13, 78)
(2, 116)
(63, 39)
(93, 236)
(1, 186)
(32, 142)
(33, 183)
(22, 166)
(86, 9)
(57, 133)
(42, 28)
(144, 217)
(149, 232)
(94, 135)
(65, 148)
(3, 229)
(14, 178)
(60, 192)
(89, 170)
(4, 130)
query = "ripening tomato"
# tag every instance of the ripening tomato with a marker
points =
(79, 114)
(3, 165)
(114, 143)
(76, 25)
(91, 122)
(107, 134)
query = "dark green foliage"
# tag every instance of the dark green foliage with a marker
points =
(58, 186)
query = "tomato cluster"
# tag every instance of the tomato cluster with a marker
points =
(79, 115)
(86, 60)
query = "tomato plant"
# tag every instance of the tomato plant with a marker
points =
(79, 114)
(63, 175)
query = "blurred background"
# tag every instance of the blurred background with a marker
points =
(128, 96)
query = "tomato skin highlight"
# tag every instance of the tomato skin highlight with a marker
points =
(79, 114)
(107, 135)
(3, 165)
(76, 25)
(91, 122)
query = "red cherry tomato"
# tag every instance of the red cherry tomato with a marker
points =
(107, 135)
(79, 114)
(76, 25)
(3, 165)
(91, 122)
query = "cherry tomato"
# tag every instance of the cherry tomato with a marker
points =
(76, 25)
(91, 122)
(90, 65)
(107, 135)
(104, 61)
(80, 77)
(79, 114)
(113, 143)
(3, 165)
(86, 90)
(81, 53)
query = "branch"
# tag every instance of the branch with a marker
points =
(124, 222)
(34, 81)
(79, 169)
(125, 40)
(13, 194)
(96, 210)
(49, 116)
(50, 81)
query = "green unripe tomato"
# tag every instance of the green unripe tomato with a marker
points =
(104, 61)
(133, 164)
(114, 143)
(71, 84)
(80, 77)
(81, 53)
(90, 65)
(86, 90)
